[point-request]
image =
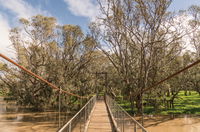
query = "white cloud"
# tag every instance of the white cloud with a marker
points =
(85, 8)
(4, 36)
(185, 28)
(19, 8)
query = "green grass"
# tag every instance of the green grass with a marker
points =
(182, 105)
(189, 104)
(1, 93)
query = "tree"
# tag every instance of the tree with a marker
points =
(59, 54)
(139, 41)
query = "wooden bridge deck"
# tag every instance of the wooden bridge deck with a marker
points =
(99, 120)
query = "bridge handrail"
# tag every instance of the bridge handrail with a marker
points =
(82, 116)
(118, 113)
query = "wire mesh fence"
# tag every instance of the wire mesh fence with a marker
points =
(78, 122)
(122, 121)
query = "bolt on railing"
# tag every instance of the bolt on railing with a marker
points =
(78, 122)
(122, 121)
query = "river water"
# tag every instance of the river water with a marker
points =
(18, 119)
(184, 123)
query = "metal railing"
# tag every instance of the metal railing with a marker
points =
(122, 121)
(78, 122)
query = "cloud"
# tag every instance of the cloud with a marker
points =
(185, 28)
(5, 43)
(19, 8)
(85, 8)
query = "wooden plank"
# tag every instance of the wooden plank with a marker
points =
(99, 121)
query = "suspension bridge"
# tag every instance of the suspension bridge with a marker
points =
(100, 113)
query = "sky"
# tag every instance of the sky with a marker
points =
(77, 12)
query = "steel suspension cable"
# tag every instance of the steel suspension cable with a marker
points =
(40, 78)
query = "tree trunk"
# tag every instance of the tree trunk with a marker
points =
(139, 104)
(132, 103)
(185, 92)
(168, 93)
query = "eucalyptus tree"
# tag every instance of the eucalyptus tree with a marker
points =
(140, 38)
(58, 53)
(194, 38)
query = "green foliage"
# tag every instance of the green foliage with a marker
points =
(61, 54)
(1, 93)
(183, 104)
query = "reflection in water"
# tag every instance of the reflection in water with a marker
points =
(173, 123)
(17, 119)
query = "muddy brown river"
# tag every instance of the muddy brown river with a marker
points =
(184, 123)
(16, 119)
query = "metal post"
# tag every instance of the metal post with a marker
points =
(81, 103)
(80, 121)
(85, 116)
(96, 89)
(70, 127)
(123, 119)
(59, 108)
(106, 82)
(142, 110)
(135, 127)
